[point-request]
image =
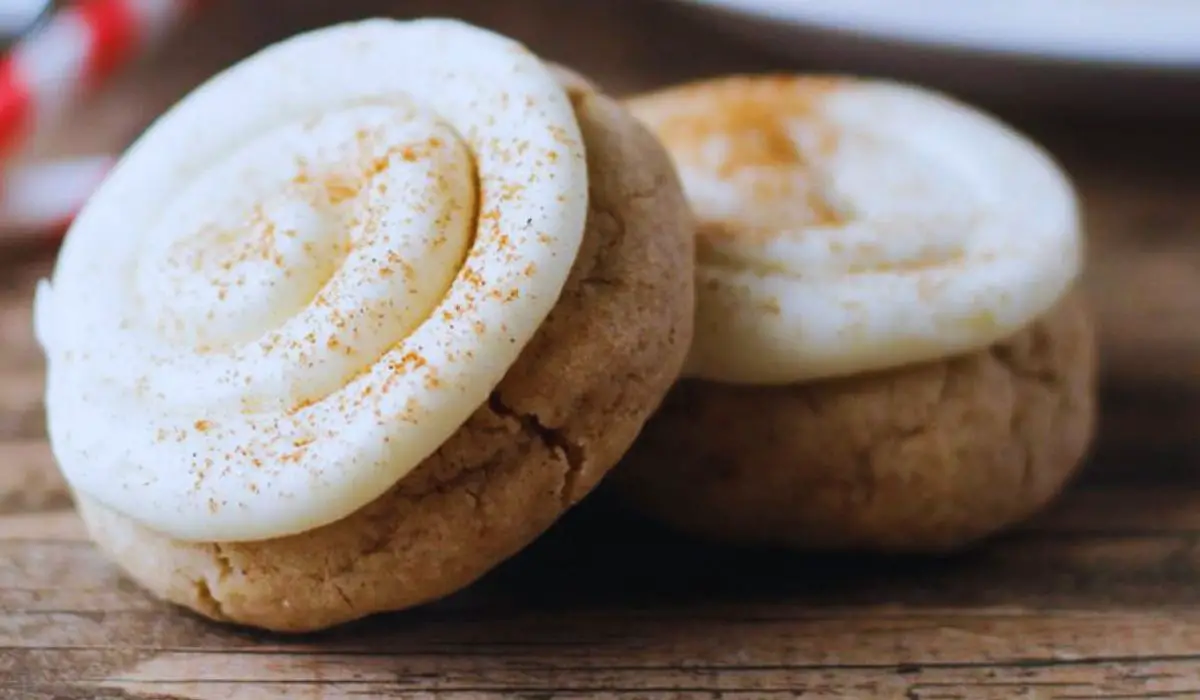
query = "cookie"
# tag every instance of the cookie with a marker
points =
(892, 352)
(334, 480)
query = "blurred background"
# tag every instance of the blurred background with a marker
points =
(1110, 87)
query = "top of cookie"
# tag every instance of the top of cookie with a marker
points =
(854, 225)
(304, 277)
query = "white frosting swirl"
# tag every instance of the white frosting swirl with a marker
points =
(849, 226)
(308, 274)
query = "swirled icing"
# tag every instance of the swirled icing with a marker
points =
(303, 278)
(854, 225)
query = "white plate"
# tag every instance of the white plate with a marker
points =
(1159, 34)
(1114, 56)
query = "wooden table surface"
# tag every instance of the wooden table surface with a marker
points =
(1098, 599)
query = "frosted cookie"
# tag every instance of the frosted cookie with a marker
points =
(891, 352)
(360, 318)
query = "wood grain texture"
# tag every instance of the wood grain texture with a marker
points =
(1100, 598)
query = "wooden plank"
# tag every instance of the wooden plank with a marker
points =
(18, 349)
(29, 480)
(955, 653)
(204, 677)
(21, 409)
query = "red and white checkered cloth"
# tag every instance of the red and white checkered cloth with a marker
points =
(41, 199)
(76, 50)
(44, 74)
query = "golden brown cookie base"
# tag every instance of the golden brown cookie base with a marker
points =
(564, 414)
(926, 458)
